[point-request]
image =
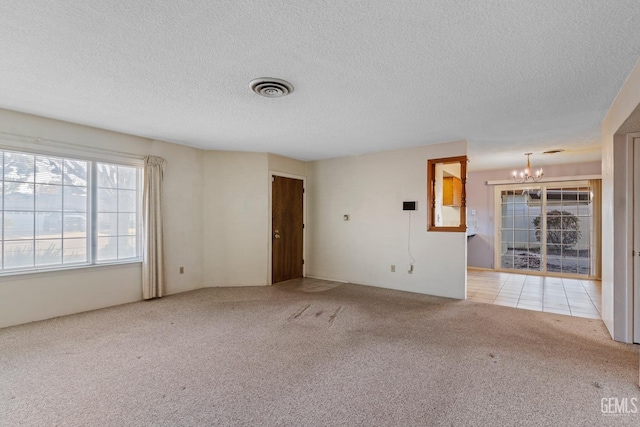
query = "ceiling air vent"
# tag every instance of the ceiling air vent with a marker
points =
(270, 87)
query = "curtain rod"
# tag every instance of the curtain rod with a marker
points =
(546, 179)
(62, 144)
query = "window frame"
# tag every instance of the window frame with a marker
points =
(431, 194)
(91, 236)
(95, 212)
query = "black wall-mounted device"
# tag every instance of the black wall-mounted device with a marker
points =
(409, 206)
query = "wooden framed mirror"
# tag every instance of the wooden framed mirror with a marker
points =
(446, 194)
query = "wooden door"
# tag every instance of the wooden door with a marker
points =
(286, 228)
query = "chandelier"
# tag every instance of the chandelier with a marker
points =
(525, 175)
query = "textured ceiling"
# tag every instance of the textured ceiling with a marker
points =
(508, 76)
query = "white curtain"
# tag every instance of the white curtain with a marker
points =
(153, 259)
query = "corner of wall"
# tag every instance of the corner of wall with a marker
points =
(615, 313)
(183, 200)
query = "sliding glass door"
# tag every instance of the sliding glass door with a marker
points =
(546, 228)
(570, 242)
(519, 246)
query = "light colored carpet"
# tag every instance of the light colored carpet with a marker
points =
(293, 355)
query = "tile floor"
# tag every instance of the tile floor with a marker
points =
(572, 297)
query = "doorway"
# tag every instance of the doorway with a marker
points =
(548, 228)
(287, 228)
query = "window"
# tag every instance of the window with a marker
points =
(59, 212)
(117, 212)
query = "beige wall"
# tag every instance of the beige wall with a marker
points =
(237, 212)
(287, 166)
(235, 219)
(617, 288)
(480, 198)
(30, 297)
(371, 188)
(183, 201)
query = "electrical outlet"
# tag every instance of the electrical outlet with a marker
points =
(393, 268)
(181, 270)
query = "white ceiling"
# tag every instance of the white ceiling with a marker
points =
(508, 76)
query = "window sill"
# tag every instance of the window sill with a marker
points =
(25, 274)
(458, 229)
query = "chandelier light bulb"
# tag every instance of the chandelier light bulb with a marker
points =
(525, 175)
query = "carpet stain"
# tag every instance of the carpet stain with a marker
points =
(334, 315)
(318, 314)
(299, 312)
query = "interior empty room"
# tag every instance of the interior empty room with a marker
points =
(335, 213)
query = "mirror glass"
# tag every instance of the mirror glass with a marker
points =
(446, 195)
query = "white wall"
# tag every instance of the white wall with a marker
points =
(480, 197)
(371, 188)
(26, 298)
(617, 290)
(29, 297)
